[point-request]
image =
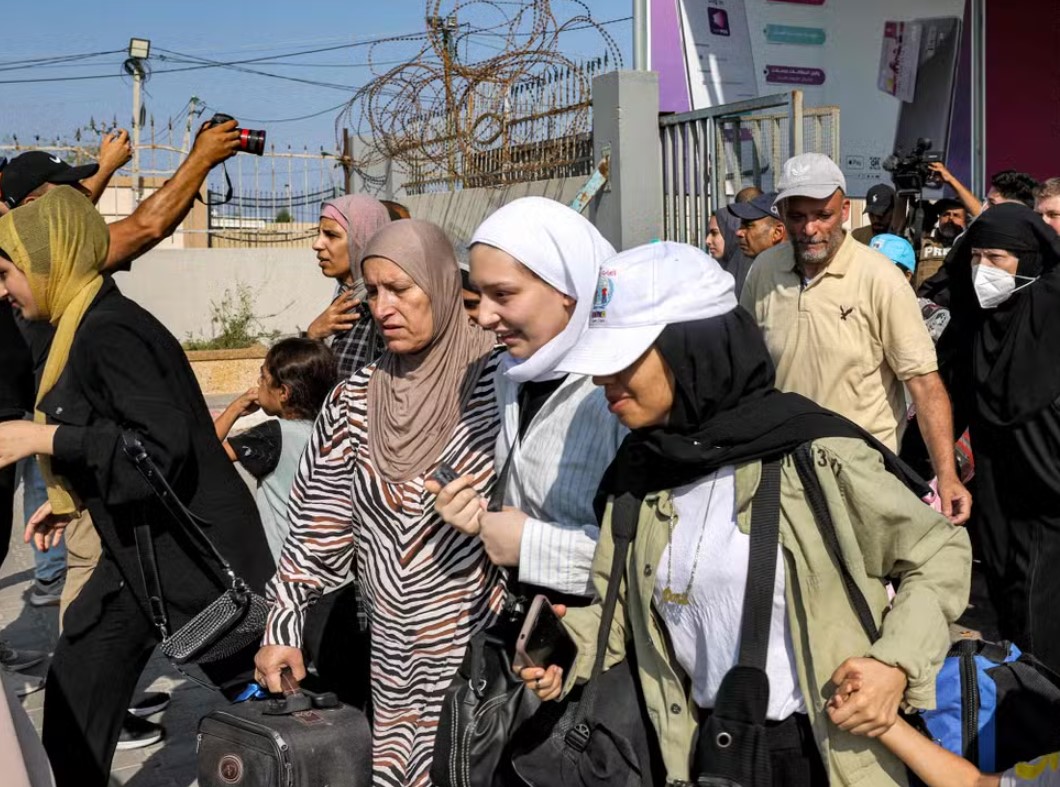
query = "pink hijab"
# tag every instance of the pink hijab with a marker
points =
(361, 217)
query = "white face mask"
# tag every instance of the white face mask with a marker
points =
(994, 286)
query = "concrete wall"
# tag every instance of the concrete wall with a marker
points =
(629, 211)
(179, 285)
(460, 212)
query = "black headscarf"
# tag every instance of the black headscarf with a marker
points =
(1014, 353)
(733, 260)
(726, 411)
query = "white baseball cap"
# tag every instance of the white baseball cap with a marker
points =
(639, 293)
(812, 175)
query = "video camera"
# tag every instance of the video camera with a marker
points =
(250, 140)
(912, 173)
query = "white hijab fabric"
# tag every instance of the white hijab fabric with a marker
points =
(565, 250)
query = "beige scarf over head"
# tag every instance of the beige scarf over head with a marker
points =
(60, 243)
(415, 400)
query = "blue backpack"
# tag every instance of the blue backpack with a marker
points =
(996, 706)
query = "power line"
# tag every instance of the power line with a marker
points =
(28, 63)
(285, 120)
(198, 63)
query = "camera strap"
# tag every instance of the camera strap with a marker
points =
(228, 190)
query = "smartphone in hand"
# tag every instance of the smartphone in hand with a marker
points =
(444, 475)
(543, 640)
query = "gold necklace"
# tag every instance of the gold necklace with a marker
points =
(668, 595)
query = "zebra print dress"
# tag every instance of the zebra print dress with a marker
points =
(426, 587)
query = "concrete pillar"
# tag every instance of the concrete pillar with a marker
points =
(626, 124)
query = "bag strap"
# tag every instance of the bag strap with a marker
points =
(804, 464)
(625, 513)
(500, 489)
(187, 520)
(761, 569)
(145, 551)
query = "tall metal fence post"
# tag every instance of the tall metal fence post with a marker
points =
(795, 132)
(626, 120)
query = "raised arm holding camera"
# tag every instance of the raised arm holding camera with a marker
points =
(159, 215)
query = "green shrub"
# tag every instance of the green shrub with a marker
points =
(235, 326)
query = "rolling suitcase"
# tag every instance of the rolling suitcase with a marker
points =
(300, 740)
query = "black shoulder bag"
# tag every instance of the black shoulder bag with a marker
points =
(732, 750)
(599, 735)
(486, 701)
(229, 623)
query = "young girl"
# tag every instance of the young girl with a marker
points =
(938, 767)
(295, 379)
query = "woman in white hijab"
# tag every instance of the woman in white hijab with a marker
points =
(537, 264)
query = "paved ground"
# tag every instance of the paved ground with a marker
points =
(170, 763)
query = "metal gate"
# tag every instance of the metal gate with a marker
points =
(710, 154)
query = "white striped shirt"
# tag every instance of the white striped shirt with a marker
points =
(554, 476)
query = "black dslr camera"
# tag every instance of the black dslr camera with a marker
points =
(250, 140)
(911, 174)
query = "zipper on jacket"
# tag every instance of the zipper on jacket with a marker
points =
(969, 705)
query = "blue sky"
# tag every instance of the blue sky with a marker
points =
(218, 30)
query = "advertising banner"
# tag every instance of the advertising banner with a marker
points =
(858, 55)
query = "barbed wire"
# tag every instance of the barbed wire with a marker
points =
(439, 114)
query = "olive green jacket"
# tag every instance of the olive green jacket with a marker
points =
(883, 530)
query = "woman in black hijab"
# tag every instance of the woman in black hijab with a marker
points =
(1001, 357)
(687, 371)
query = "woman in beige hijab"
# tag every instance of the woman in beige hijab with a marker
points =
(359, 504)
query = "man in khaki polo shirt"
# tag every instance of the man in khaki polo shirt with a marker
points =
(843, 325)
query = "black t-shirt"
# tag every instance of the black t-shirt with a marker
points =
(16, 367)
(258, 449)
(532, 397)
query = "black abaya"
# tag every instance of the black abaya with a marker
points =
(1004, 374)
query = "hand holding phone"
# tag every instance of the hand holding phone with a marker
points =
(457, 502)
(444, 475)
(543, 640)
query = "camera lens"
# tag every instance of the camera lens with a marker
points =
(252, 141)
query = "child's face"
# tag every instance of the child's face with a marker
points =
(270, 395)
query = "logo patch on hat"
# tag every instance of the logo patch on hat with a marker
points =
(605, 291)
(798, 169)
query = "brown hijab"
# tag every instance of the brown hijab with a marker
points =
(415, 400)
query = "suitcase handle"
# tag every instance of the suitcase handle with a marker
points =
(297, 699)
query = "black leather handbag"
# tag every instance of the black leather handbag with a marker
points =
(486, 700)
(732, 750)
(228, 624)
(599, 735)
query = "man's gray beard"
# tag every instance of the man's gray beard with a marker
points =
(834, 242)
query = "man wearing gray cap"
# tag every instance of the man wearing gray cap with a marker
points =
(843, 325)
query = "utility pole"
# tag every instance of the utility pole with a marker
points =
(447, 26)
(139, 51)
(347, 161)
(193, 112)
(641, 35)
